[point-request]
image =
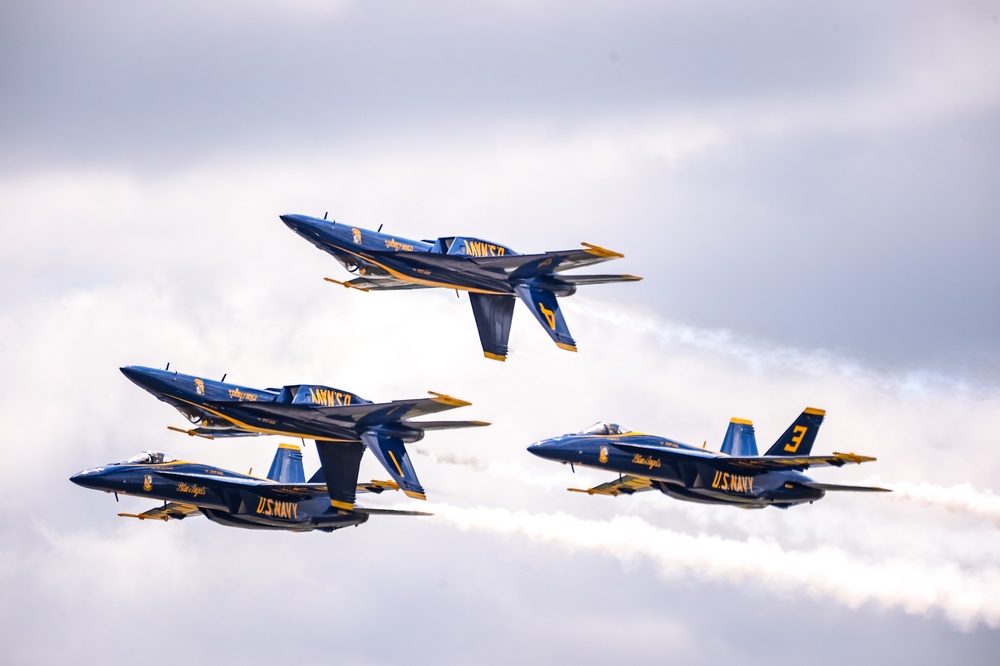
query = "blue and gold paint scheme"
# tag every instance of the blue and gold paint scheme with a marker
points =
(307, 411)
(283, 501)
(736, 475)
(494, 275)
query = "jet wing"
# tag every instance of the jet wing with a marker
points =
(625, 485)
(169, 511)
(299, 490)
(774, 463)
(518, 265)
(377, 284)
(363, 414)
(749, 463)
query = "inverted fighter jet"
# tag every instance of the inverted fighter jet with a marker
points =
(282, 501)
(736, 475)
(308, 411)
(494, 275)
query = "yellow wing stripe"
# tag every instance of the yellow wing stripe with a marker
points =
(600, 251)
(264, 431)
(446, 399)
(407, 278)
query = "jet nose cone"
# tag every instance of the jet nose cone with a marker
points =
(88, 478)
(145, 378)
(542, 449)
(297, 223)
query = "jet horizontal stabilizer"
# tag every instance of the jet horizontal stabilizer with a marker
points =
(582, 280)
(835, 487)
(389, 512)
(445, 425)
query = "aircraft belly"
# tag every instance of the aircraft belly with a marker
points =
(396, 265)
(249, 523)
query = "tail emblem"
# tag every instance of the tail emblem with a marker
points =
(793, 446)
(550, 316)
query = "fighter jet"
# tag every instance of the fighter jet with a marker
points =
(493, 274)
(282, 501)
(736, 475)
(306, 411)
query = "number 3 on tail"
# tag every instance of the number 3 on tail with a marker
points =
(793, 446)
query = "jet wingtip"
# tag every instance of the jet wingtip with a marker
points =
(601, 251)
(448, 400)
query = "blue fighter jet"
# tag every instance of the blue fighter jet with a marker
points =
(282, 501)
(309, 411)
(737, 475)
(494, 275)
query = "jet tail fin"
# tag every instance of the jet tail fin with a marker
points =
(798, 439)
(545, 307)
(287, 465)
(391, 452)
(493, 314)
(340, 463)
(740, 439)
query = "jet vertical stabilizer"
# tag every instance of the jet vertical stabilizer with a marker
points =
(545, 307)
(340, 464)
(287, 465)
(740, 439)
(798, 439)
(391, 452)
(493, 315)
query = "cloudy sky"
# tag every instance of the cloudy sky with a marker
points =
(809, 191)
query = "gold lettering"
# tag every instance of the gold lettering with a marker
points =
(550, 316)
(242, 395)
(646, 461)
(260, 505)
(295, 510)
(397, 246)
(270, 507)
(800, 432)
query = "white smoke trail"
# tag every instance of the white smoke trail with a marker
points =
(967, 597)
(962, 498)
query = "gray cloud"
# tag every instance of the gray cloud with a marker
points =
(808, 191)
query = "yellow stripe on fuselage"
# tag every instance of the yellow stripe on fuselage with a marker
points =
(263, 431)
(427, 283)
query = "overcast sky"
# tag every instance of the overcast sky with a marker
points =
(809, 191)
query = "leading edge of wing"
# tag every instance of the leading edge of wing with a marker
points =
(625, 485)
(764, 463)
(169, 511)
(369, 413)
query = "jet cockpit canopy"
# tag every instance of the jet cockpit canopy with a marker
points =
(149, 458)
(602, 428)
